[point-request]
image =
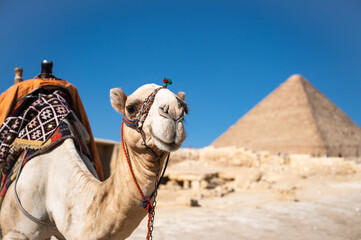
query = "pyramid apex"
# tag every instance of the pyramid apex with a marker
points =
(296, 78)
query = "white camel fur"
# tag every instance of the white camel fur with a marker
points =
(58, 189)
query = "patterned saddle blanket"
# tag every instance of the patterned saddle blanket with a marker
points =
(43, 120)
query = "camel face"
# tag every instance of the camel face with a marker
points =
(163, 127)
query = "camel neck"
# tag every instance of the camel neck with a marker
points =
(144, 166)
(120, 196)
(119, 200)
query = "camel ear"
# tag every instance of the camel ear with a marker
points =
(182, 95)
(118, 99)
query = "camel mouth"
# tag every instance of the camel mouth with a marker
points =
(165, 146)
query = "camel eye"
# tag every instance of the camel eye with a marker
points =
(131, 109)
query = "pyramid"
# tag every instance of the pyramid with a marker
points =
(295, 118)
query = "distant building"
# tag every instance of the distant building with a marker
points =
(295, 118)
(108, 151)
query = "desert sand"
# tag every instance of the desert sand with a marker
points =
(258, 196)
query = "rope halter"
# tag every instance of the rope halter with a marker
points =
(145, 108)
(138, 124)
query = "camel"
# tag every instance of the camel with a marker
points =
(72, 202)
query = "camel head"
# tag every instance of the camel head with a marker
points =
(163, 126)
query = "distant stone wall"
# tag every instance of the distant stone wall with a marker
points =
(108, 152)
(216, 172)
(229, 156)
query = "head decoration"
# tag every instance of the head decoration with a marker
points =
(167, 82)
(145, 107)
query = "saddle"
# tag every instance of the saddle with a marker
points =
(35, 116)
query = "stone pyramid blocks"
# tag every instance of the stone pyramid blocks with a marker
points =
(295, 118)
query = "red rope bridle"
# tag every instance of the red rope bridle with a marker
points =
(146, 202)
(149, 206)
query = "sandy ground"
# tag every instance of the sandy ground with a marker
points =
(295, 206)
(310, 199)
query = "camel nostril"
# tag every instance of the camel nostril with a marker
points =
(163, 111)
(175, 114)
(166, 108)
(180, 118)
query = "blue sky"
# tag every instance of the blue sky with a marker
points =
(226, 55)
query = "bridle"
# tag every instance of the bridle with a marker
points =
(145, 107)
(143, 111)
(142, 115)
(138, 125)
